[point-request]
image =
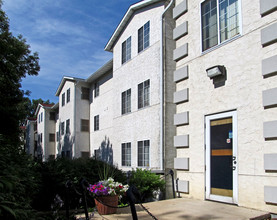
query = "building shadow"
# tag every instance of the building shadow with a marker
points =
(105, 151)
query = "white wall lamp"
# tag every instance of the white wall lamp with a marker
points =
(216, 71)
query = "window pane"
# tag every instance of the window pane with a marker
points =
(85, 93)
(140, 153)
(140, 95)
(146, 34)
(63, 99)
(96, 122)
(140, 39)
(96, 89)
(128, 49)
(229, 25)
(68, 96)
(209, 24)
(123, 103)
(124, 52)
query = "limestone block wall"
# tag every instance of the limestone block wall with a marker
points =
(248, 88)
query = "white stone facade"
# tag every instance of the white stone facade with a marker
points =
(241, 92)
(192, 102)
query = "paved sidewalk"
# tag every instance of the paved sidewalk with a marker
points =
(183, 208)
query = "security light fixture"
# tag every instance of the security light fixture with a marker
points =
(215, 71)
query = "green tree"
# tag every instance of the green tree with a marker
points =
(17, 178)
(16, 61)
(33, 105)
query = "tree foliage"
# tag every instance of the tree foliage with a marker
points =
(16, 61)
(17, 178)
(33, 106)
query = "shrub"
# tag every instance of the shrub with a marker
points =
(147, 183)
(54, 174)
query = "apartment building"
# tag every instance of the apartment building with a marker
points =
(45, 134)
(226, 101)
(191, 87)
(72, 124)
(138, 80)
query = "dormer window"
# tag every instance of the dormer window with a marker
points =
(126, 50)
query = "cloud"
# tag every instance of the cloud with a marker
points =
(69, 36)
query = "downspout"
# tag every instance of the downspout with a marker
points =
(74, 119)
(162, 153)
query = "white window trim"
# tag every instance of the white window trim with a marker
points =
(226, 41)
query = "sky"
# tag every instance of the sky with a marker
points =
(69, 36)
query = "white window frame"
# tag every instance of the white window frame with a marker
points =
(63, 99)
(144, 94)
(143, 154)
(126, 102)
(143, 37)
(96, 123)
(68, 95)
(127, 160)
(218, 35)
(96, 89)
(128, 50)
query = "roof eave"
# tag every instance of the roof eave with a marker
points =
(101, 71)
(125, 19)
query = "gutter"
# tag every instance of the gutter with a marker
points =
(162, 152)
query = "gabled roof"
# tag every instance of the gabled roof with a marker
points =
(45, 106)
(101, 71)
(64, 79)
(55, 106)
(126, 19)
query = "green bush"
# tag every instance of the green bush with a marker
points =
(54, 174)
(147, 183)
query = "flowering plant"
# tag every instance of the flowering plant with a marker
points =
(107, 188)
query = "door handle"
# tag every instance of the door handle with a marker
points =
(234, 167)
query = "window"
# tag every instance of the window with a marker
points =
(41, 138)
(58, 136)
(96, 123)
(126, 50)
(143, 37)
(63, 99)
(41, 116)
(126, 101)
(84, 125)
(52, 116)
(67, 130)
(220, 21)
(143, 94)
(62, 128)
(85, 93)
(126, 154)
(51, 137)
(143, 153)
(96, 89)
(68, 96)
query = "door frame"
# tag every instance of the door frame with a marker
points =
(208, 194)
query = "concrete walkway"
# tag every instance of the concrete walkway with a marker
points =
(185, 209)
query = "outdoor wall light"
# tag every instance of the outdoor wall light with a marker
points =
(215, 71)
